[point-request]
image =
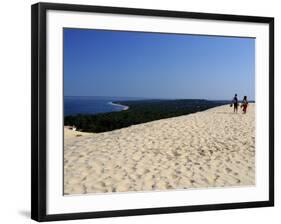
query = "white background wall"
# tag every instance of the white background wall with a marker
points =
(15, 109)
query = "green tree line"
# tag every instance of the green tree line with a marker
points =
(140, 111)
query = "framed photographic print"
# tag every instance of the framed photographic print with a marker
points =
(140, 111)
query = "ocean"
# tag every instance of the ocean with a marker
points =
(74, 105)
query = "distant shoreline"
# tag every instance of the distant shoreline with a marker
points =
(141, 111)
(119, 105)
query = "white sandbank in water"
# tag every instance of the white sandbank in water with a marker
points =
(119, 105)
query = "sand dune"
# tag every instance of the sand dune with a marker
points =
(213, 148)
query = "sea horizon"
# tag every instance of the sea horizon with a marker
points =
(160, 98)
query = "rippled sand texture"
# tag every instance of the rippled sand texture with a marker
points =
(213, 148)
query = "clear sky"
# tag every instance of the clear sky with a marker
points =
(152, 65)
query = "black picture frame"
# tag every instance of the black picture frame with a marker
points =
(39, 123)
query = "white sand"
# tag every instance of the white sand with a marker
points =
(213, 148)
(119, 105)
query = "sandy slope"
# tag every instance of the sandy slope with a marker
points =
(213, 148)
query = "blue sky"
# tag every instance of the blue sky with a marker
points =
(152, 65)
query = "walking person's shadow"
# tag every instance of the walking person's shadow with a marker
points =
(226, 113)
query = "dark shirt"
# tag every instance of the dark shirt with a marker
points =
(235, 100)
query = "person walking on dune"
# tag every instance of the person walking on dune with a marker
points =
(235, 103)
(244, 104)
